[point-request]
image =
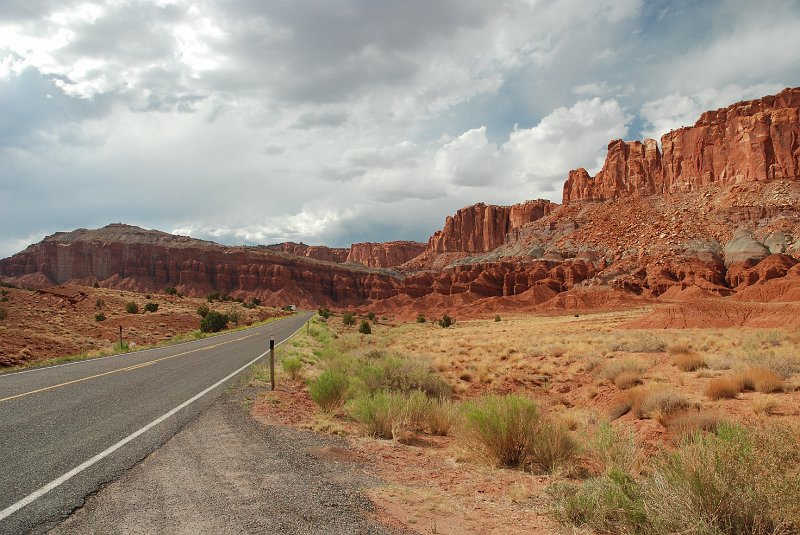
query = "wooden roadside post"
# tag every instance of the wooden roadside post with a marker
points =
(272, 361)
(120, 337)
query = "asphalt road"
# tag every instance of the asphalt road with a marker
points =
(67, 430)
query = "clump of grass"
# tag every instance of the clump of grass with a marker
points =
(764, 405)
(293, 367)
(616, 367)
(733, 481)
(628, 379)
(511, 431)
(687, 424)
(689, 362)
(660, 403)
(403, 375)
(442, 416)
(725, 387)
(383, 414)
(643, 343)
(761, 379)
(329, 389)
(504, 426)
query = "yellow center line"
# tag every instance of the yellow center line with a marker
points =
(126, 369)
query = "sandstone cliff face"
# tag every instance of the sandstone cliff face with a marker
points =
(749, 141)
(151, 261)
(384, 255)
(482, 228)
(317, 252)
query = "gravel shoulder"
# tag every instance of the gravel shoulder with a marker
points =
(226, 473)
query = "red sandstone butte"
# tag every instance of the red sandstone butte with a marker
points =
(482, 228)
(750, 141)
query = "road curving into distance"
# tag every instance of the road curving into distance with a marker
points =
(66, 430)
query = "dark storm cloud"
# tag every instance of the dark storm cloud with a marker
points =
(33, 111)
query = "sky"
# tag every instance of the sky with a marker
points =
(333, 122)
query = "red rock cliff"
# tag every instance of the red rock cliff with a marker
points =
(482, 228)
(318, 252)
(749, 141)
(133, 258)
(384, 255)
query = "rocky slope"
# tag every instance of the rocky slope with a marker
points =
(716, 214)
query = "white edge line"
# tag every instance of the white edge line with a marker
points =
(95, 359)
(35, 495)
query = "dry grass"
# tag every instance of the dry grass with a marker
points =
(686, 424)
(660, 403)
(764, 405)
(689, 361)
(725, 387)
(628, 379)
(761, 380)
(628, 367)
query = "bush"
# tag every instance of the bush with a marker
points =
(734, 481)
(497, 318)
(99, 303)
(3, 313)
(726, 387)
(348, 319)
(442, 416)
(213, 296)
(171, 290)
(689, 361)
(371, 316)
(293, 367)
(131, 308)
(150, 307)
(213, 322)
(628, 366)
(99, 317)
(403, 375)
(364, 328)
(234, 316)
(505, 427)
(761, 380)
(660, 403)
(95, 285)
(329, 389)
(202, 310)
(325, 313)
(420, 318)
(553, 447)
(446, 321)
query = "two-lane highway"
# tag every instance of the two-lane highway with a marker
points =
(66, 430)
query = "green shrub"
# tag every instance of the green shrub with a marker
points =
(383, 414)
(213, 322)
(171, 290)
(131, 308)
(3, 313)
(403, 375)
(446, 321)
(293, 367)
(504, 427)
(99, 317)
(95, 285)
(324, 313)
(371, 316)
(730, 482)
(202, 310)
(234, 316)
(365, 328)
(420, 318)
(348, 319)
(213, 296)
(122, 346)
(329, 389)
(99, 303)
(442, 416)
(150, 307)
(497, 318)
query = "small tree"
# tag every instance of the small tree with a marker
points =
(348, 319)
(364, 328)
(446, 321)
(150, 307)
(202, 310)
(497, 318)
(213, 322)
(371, 316)
(324, 312)
(420, 318)
(131, 307)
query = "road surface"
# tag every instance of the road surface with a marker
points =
(67, 430)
